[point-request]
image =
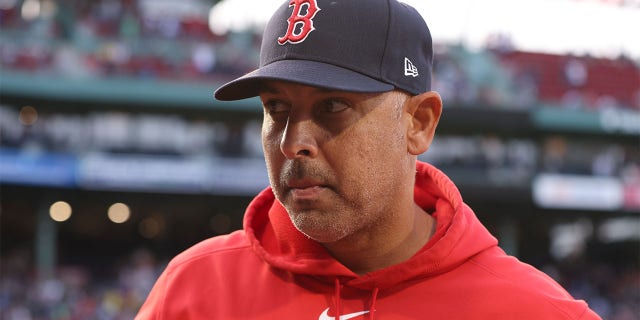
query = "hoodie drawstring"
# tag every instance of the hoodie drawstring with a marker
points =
(337, 303)
(372, 306)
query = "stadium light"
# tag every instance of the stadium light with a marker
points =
(60, 211)
(119, 213)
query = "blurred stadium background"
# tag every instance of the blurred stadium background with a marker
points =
(114, 156)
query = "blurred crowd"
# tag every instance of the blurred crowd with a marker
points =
(501, 76)
(522, 158)
(172, 40)
(612, 294)
(77, 293)
(115, 38)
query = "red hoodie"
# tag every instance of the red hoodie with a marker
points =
(270, 270)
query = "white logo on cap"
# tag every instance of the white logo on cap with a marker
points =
(409, 68)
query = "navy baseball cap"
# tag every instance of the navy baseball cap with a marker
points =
(347, 45)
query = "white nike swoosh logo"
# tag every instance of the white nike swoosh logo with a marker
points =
(325, 315)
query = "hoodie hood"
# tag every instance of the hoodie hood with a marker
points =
(459, 236)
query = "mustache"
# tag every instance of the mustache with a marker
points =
(300, 169)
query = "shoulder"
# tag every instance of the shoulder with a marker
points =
(209, 265)
(215, 248)
(522, 289)
(206, 267)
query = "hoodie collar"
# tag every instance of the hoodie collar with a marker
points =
(275, 239)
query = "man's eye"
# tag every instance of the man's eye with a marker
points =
(334, 106)
(274, 106)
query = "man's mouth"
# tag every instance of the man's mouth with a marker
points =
(305, 189)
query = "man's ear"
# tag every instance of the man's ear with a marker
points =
(425, 110)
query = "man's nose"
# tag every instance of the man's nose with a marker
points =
(298, 139)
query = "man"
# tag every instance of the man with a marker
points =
(352, 227)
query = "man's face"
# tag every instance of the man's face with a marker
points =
(337, 161)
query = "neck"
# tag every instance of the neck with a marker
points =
(367, 251)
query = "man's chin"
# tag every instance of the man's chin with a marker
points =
(324, 238)
(317, 229)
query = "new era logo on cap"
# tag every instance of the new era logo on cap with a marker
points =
(409, 68)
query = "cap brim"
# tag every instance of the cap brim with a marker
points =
(305, 72)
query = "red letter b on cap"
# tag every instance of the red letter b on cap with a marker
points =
(303, 21)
